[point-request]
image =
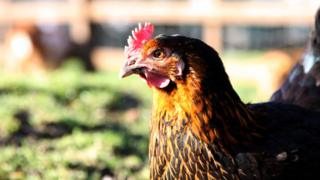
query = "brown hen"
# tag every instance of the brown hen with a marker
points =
(200, 128)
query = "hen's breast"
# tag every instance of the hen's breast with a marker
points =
(178, 154)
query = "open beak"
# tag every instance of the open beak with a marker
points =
(131, 67)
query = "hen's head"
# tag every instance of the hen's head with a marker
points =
(166, 61)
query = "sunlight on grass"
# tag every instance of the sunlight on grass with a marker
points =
(61, 126)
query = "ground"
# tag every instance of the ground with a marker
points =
(73, 125)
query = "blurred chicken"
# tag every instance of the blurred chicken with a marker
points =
(200, 128)
(22, 52)
(302, 85)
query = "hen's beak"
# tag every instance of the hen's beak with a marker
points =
(131, 67)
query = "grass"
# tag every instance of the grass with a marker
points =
(247, 90)
(75, 125)
(241, 55)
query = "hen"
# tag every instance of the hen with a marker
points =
(200, 128)
(302, 85)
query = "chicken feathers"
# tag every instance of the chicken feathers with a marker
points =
(200, 128)
(302, 87)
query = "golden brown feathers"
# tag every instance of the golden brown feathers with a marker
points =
(200, 129)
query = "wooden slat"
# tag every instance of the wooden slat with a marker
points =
(168, 12)
(156, 12)
(211, 14)
(253, 13)
(38, 12)
(269, 14)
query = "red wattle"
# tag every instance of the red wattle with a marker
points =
(157, 80)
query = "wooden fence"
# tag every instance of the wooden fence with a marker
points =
(212, 15)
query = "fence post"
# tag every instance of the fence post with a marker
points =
(212, 27)
(79, 21)
(212, 35)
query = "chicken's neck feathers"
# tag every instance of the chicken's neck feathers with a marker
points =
(211, 117)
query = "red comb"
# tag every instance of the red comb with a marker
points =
(139, 36)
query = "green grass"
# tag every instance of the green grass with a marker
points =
(72, 125)
(248, 92)
(241, 55)
(75, 125)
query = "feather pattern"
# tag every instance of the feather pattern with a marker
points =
(200, 128)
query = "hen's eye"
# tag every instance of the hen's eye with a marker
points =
(158, 53)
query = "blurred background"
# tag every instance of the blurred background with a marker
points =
(64, 112)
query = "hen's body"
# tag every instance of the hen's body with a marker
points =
(284, 142)
(200, 128)
(289, 149)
